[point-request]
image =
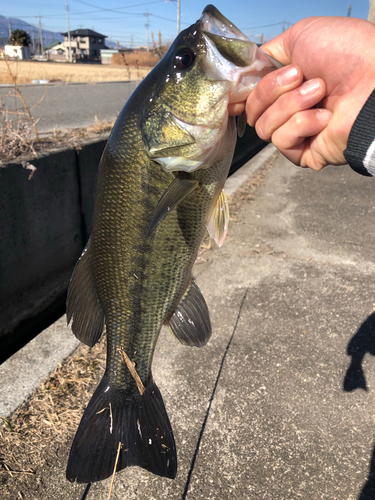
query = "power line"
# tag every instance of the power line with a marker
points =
(119, 8)
(264, 26)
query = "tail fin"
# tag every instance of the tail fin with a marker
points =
(140, 424)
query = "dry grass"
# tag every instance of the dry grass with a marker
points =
(45, 422)
(17, 138)
(26, 71)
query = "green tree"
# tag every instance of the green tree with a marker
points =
(19, 37)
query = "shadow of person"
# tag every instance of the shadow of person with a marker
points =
(363, 342)
(368, 491)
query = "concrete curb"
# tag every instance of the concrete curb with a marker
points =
(45, 352)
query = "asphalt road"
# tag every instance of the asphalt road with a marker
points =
(70, 105)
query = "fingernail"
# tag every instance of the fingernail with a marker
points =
(309, 87)
(324, 115)
(287, 76)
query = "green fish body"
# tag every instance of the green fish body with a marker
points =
(159, 187)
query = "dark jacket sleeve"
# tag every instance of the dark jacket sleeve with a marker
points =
(360, 152)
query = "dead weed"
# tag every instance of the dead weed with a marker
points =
(45, 422)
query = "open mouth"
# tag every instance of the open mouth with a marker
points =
(213, 22)
(231, 55)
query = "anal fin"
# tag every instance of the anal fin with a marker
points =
(217, 226)
(82, 304)
(190, 323)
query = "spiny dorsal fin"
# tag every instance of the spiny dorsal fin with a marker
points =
(177, 190)
(82, 303)
(190, 322)
(217, 226)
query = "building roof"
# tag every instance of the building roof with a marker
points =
(53, 44)
(84, 33)
(59, 46)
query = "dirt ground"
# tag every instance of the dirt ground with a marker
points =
(27, 71)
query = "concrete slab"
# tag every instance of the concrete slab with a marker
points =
(22, 373)
(280, 403)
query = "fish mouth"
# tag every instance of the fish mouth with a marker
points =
(231, 55)
(213, 22)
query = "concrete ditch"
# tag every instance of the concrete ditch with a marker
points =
(45, 220)
(44, 224)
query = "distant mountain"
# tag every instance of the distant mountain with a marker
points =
(33, 30)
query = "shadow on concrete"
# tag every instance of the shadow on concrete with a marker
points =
(363, 342)
(368, 491)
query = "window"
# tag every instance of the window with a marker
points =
(92, 39)
(100, 40)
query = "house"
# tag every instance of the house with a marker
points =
(17, 52)
(56, 51)
(55, 48)
(85, 44)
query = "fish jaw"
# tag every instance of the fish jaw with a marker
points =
(232, 56)
(180, 128)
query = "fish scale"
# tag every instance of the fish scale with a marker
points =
(159, 186)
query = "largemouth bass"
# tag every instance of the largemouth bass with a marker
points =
(160, 184)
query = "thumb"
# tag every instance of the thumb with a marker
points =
(279, 48)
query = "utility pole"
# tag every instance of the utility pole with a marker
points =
(32, 40)
(40, 39)
(349, 10)
(147, 26)
(10, 29)
(67, 18)
(178, 15)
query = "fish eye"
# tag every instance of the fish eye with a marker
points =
(184, 59)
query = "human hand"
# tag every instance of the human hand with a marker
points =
(307, 109)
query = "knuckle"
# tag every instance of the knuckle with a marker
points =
(262, 133)
(266, 90)
(298, 120)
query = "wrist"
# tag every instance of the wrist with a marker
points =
(360, 151)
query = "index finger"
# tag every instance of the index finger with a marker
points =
(269, 89)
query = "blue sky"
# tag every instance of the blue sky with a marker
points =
(125, 20)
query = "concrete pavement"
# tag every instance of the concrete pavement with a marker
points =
(281, 402)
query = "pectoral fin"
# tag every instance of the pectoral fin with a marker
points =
(190, 322)
(218, 224)
(178, 189)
